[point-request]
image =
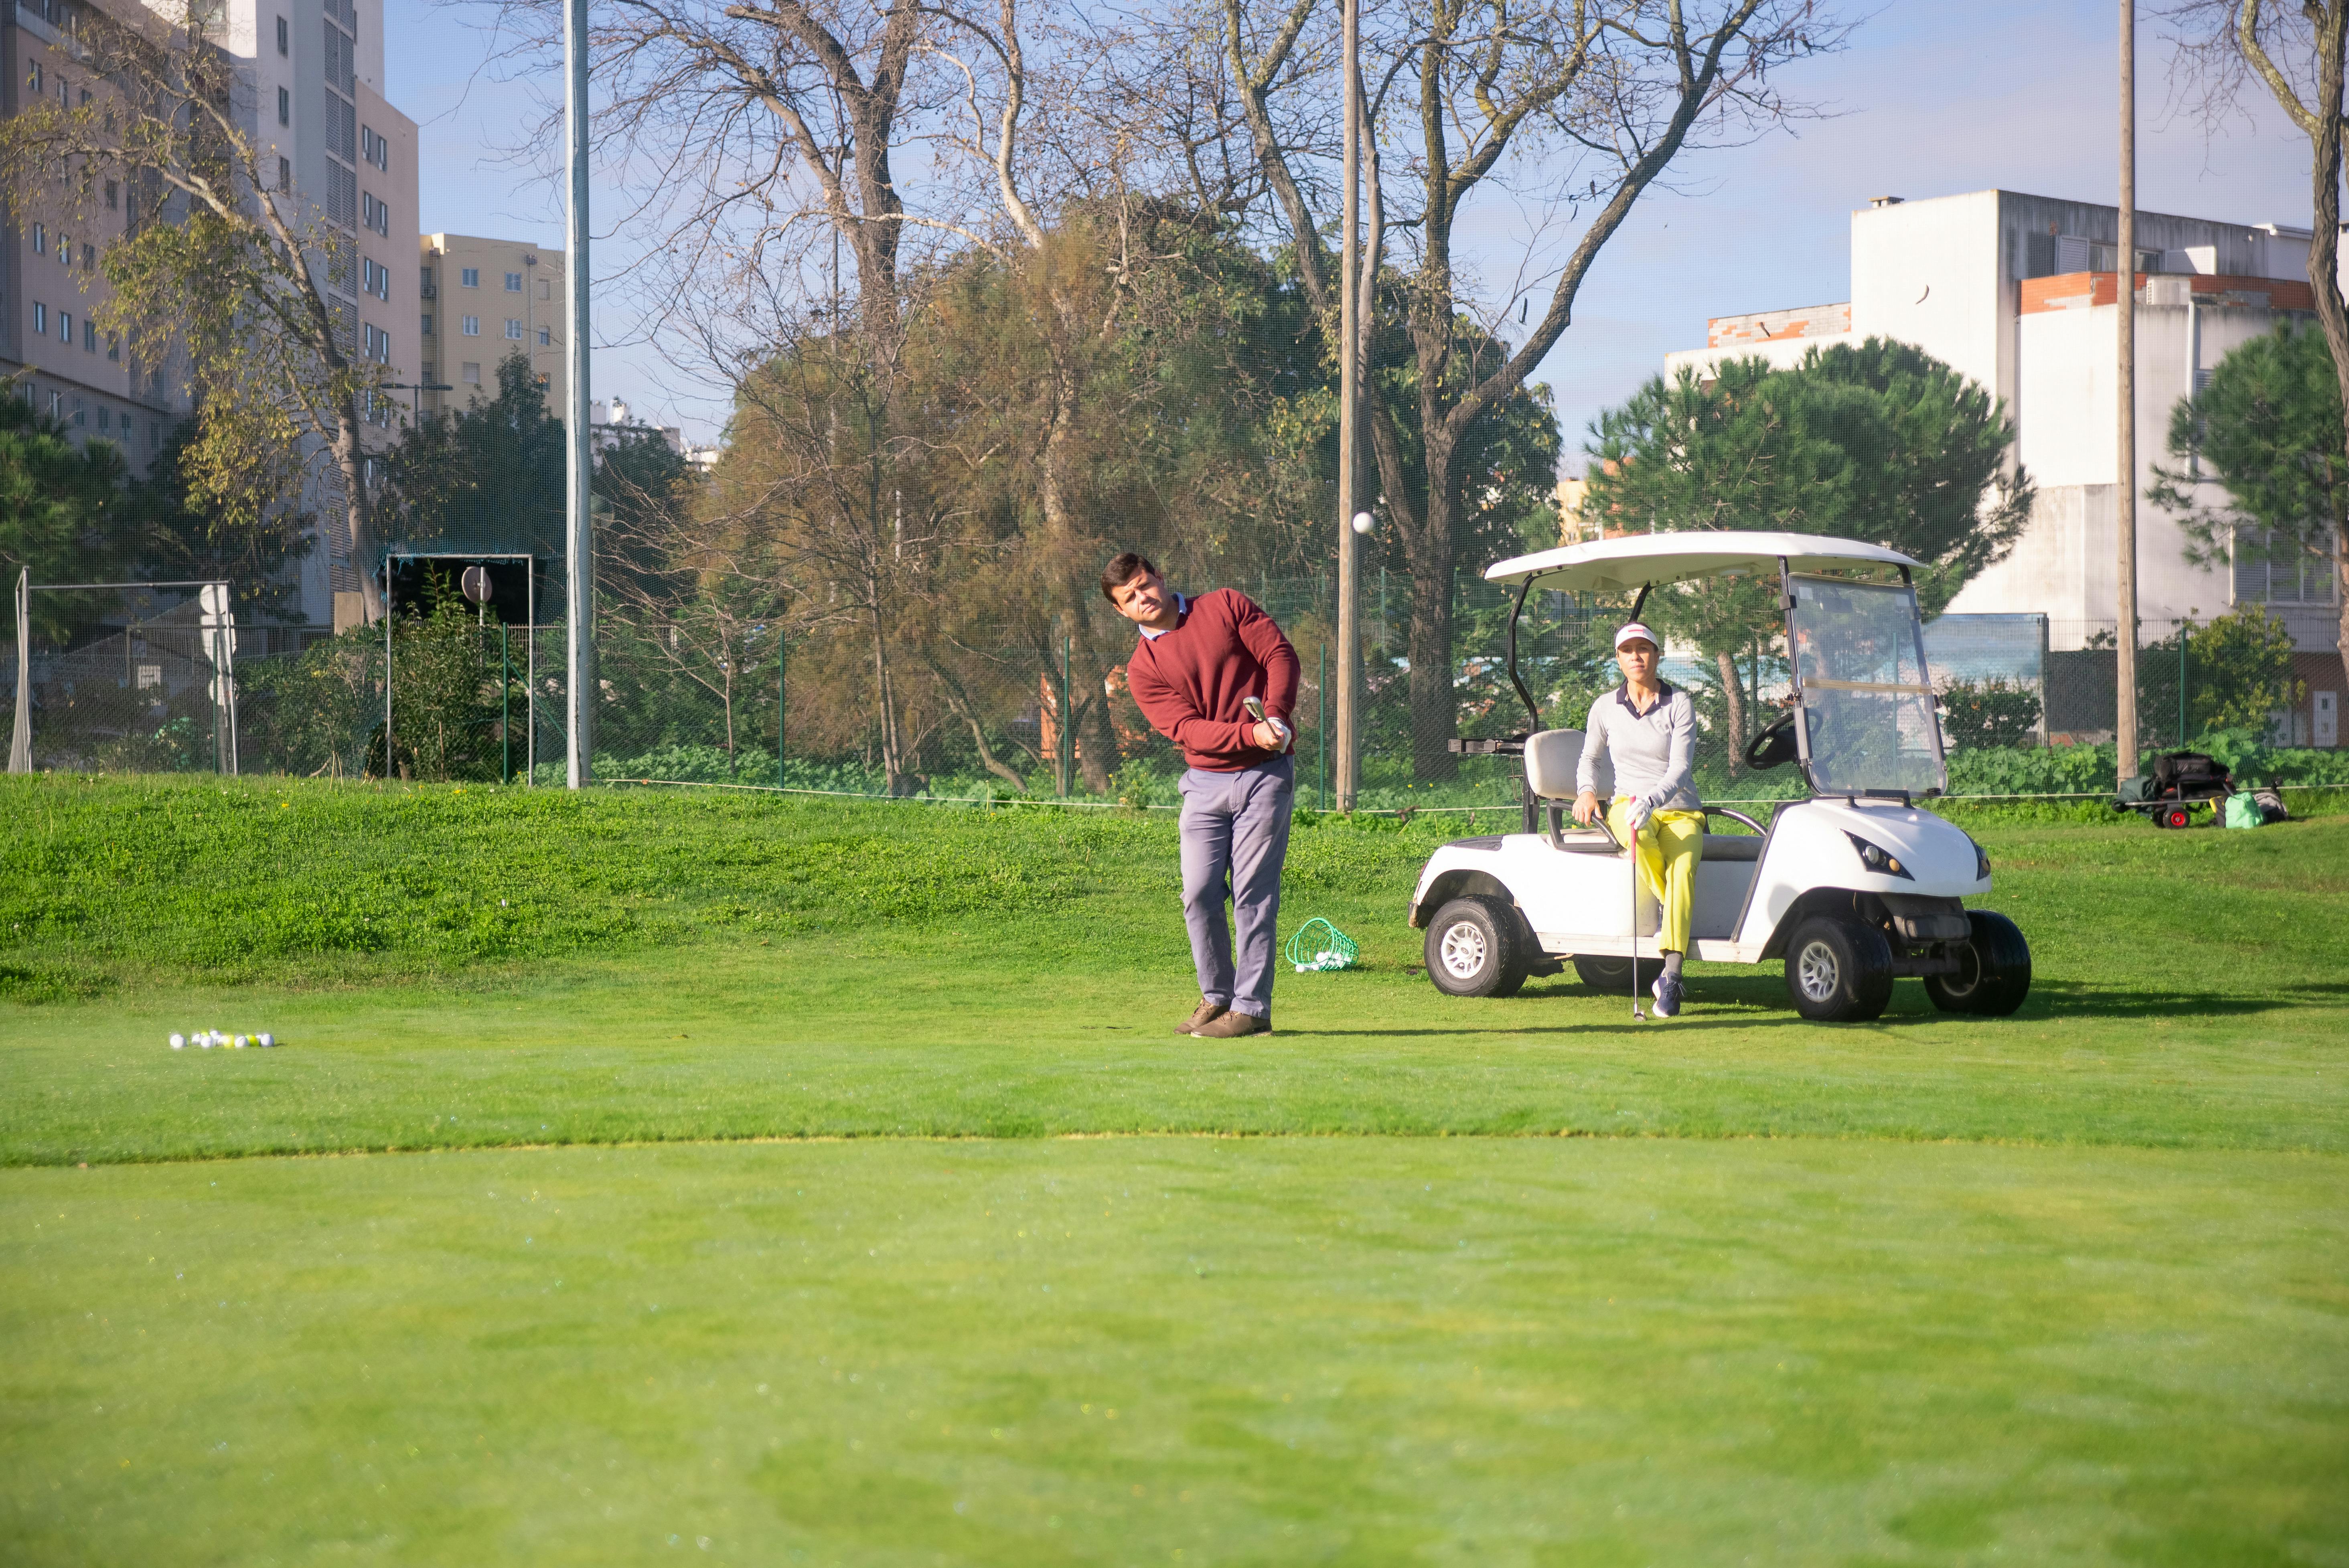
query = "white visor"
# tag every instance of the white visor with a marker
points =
(1636, 630)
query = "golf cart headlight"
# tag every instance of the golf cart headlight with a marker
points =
(1877, 861)
(1982, 863)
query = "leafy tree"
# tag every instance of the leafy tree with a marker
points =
(218, 279)
(2268, 428)
(488, 476)
(1878, 442)
(2238, 671)
(59, 502)
(2298, 52)
(174, 534)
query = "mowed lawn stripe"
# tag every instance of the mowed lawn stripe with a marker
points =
(1358, 1350)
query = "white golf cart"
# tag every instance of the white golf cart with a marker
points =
(1852, 888)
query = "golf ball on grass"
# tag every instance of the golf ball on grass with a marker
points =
(179, 1042)
(268, 1040)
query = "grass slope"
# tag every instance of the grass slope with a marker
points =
(751, 968)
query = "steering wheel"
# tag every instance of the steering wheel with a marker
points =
(1774, 744)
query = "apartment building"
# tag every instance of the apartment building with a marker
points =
(50, 285)
(2022, 294)
(310, 95)
(485, 299)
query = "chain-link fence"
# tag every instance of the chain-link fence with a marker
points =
(705, 695)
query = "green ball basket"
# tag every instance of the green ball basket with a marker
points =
(1319, 944)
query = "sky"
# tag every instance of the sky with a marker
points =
(1929, 99)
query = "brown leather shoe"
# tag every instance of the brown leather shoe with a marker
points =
(1208, 1012)
(1232, 1026)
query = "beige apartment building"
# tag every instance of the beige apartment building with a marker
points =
(484, 299)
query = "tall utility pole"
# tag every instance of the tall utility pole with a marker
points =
(1350, 636)
(579, 555)
(2124, 495)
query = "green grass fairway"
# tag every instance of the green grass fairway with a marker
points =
(648, 1174)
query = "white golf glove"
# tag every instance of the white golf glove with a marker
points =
(1641, 810)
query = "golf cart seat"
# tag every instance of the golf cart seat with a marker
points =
(1551, 757)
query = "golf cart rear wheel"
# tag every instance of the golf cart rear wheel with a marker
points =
(2178, 816)
(1608, 977)
(1993, 970)
(1837, 970)
(1477, 946)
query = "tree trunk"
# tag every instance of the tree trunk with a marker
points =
(350, 461)
(2332, 34)
(1737, 694)
(1434, 713)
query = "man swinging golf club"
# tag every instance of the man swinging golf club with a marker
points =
(1649, 728)
(1216, 678)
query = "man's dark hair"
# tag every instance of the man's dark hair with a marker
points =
(1120, 570)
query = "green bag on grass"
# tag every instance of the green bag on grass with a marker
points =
(2243, 811)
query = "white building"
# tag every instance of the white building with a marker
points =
(2019, 292)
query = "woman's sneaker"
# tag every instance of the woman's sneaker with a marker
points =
(1667, 993)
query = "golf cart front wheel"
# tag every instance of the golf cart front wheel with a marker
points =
(1838, 971)
(2178, 816)
(1477, 946)
(1993, 970)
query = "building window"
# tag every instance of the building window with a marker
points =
(89, 335)
(113, 195)
(56, 405)
(40, 239)
(2277, 568)
(33, 77)
(513, 330)
(114, 350)
(375, 148)
(65, 326)
(284, 106)
(471, 327)
(81, 414)
(285, 174)
(546, 337)
(514, 282)
(88, 257)
(471, 374)
(546, 289)
(378, 345)
(470, 277)
(104, 413)
(375, 215)
(428, 323)
(284, 45)
(40, 319)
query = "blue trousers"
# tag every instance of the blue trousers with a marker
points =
(1235, 837)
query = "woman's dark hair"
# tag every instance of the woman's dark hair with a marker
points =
(1121, 570)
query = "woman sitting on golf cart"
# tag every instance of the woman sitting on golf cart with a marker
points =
(1648, 728)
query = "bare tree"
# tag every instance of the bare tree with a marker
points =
(216, 268)
(1575, 105)
(2298, 52)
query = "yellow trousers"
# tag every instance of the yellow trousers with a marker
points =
(1671, 845)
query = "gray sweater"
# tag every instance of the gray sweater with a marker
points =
(1653, 752)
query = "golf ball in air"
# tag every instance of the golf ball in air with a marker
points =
(179, 1042)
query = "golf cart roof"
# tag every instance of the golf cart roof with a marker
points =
(1634, 561)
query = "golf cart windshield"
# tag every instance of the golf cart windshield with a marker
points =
(1858, 652)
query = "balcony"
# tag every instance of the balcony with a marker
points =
(430, 291)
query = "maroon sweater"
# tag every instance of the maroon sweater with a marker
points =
(1191, 682)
